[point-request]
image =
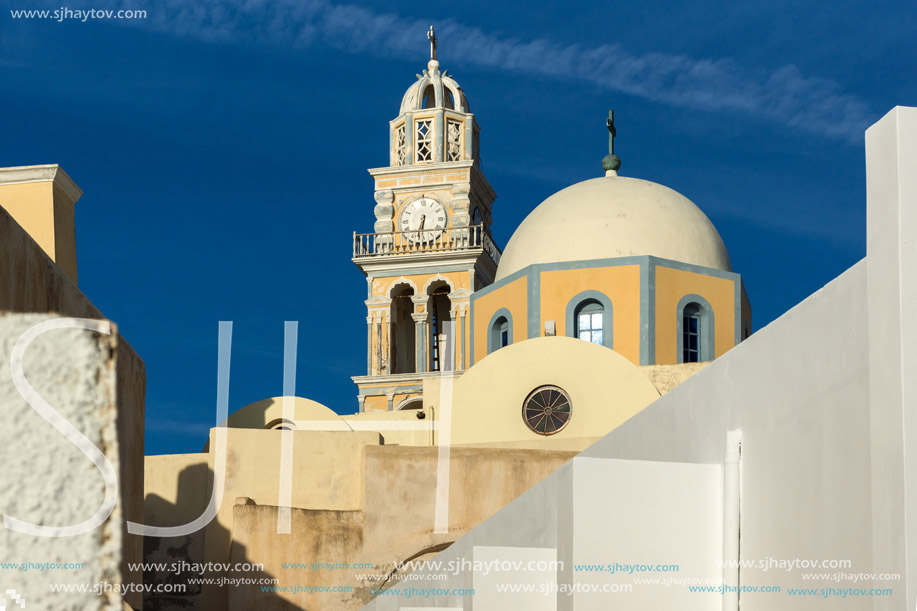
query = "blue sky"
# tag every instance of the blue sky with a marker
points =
(223, 146)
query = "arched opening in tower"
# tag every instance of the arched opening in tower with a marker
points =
(401, 344)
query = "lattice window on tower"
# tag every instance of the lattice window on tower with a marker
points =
(400, 145)
(424, 140)
(453, 140)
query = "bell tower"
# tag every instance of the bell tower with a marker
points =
(431, 245)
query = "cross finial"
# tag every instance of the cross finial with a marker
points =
(431, 36)
(611, 162)
(612, 132)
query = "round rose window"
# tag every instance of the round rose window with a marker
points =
(546, 410)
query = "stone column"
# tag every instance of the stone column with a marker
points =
(439, 137)
(387, 343)
(421, 318)
(422, 331)
(461, 331)
(378, 333)
(369, 345)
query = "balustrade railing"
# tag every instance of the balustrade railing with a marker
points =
(425, 241)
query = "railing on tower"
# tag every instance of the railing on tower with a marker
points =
(453, 239)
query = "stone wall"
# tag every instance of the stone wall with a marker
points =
(46, 479)
(31, 282)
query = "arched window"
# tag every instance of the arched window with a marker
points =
(589, 317)
(501, 330)
(690, 329)
(280, 424)
(589, 321)
(695, 330)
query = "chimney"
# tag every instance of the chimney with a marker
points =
(41, 199)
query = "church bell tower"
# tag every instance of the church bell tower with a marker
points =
(431, 246)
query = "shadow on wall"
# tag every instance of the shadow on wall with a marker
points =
(177, 563)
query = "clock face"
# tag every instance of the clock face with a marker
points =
(423, 220)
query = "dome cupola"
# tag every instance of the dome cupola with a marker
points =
(434, 123)
(614, 216)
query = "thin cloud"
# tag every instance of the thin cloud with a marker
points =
(784, 95)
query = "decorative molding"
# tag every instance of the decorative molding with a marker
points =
(438, 278)
(401, 280)
(41, 173)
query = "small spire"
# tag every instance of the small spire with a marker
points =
(431, 36)
(433, 64)
(611, 162)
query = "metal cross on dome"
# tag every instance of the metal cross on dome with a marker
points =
(431, 36)
(612, 132)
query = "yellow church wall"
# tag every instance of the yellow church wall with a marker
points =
(375, 403)
(512, 296)
(605, 389)
(621, 284)
(671, 286)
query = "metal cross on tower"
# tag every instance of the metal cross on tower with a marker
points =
(431, 36)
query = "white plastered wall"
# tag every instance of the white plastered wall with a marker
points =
(47, 480)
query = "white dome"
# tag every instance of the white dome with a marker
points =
(610, 217)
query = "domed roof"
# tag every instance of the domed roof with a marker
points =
(614, 216)
(434, 89)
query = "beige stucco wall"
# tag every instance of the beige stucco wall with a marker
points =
(604, 387)
(415, 431)
(667, 377)
(325, 475)
(395, 524)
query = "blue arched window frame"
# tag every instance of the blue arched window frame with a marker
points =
(578, 302)
(706, 331)
(499, 330)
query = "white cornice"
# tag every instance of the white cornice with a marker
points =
(425, 261)
(419, 168)
(41, 173)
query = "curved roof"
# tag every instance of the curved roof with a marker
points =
(610, 217)
(445, 90)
